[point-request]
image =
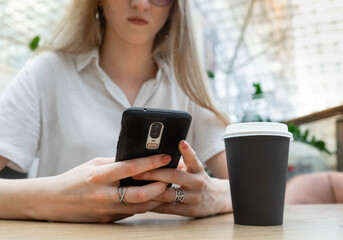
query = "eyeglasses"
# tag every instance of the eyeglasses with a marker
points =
(161, 3)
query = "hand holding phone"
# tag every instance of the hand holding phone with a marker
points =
(149, 131)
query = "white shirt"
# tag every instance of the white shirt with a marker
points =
(64, 107)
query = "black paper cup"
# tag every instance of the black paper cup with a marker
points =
(257, 157)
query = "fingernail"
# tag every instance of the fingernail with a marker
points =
(184, 145)
(138, 175)
(165, 158)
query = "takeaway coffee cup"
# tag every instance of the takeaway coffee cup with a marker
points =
(257, 157)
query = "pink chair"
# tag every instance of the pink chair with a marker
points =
(315, 188)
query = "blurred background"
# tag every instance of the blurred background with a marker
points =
(267, 60)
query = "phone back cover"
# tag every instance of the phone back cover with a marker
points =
(135, 128)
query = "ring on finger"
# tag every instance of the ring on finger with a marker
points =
(121, 190)
(179, 195)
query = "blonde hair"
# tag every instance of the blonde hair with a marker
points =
(80, 31)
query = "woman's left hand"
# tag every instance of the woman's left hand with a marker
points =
(203, 195)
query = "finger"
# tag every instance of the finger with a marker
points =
(115, 171)
(189, 157)
(176, 176)
(102, 161)
(140, 194)
(168, 196)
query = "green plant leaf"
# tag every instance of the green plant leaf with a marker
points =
(258, 91)
(320, 144)
(210, 74)
(303, 137)
(34, 43)
(298, 135)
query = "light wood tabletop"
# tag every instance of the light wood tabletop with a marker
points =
(300, 222)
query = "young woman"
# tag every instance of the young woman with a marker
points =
(67, 102)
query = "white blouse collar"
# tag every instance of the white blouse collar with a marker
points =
(85, 59)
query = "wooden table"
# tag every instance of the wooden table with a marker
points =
(300, 222)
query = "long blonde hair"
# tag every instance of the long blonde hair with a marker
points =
(82, 29)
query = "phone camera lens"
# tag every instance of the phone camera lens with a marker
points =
(155, 130)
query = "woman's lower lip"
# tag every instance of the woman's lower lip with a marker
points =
(138, 22)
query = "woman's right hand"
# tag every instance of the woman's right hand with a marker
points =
(87, 193)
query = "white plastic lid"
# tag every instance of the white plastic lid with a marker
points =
(257, 128)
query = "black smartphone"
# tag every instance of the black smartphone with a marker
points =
(149, 131)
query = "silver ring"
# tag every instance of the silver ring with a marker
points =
(179, 195)
(121, 193)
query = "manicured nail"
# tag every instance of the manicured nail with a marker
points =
(138, 175)
(185, 145)
(165, 158)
